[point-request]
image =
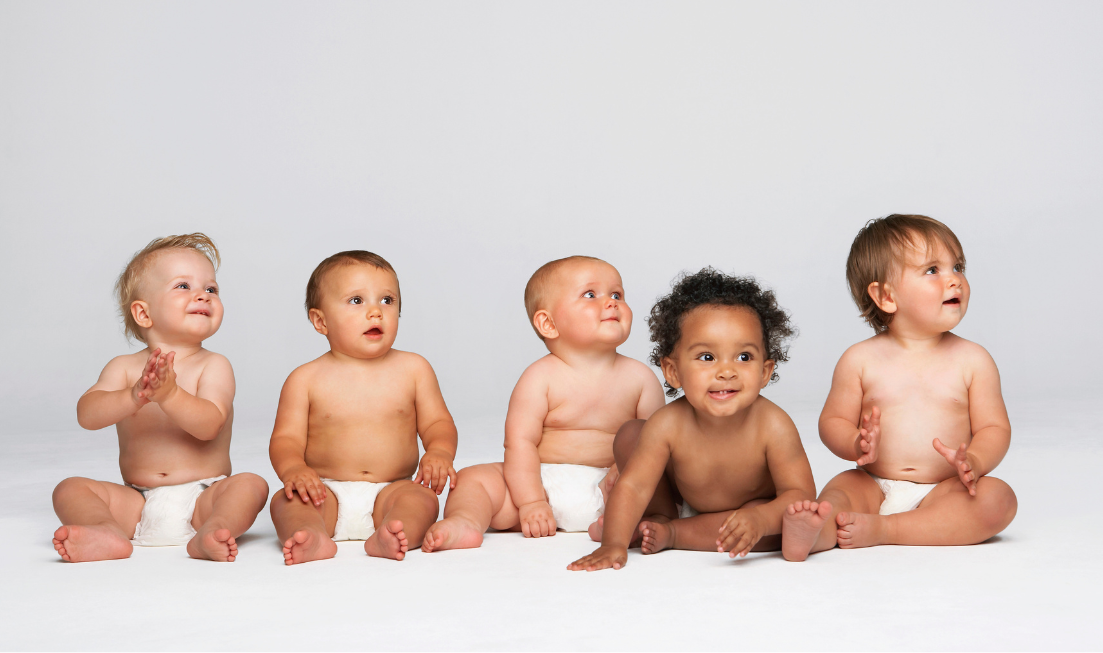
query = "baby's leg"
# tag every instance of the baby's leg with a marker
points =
(697, 533)
(223, 512)
(947, 516)
(403, 512)
(98, 519)
(305, 530)
(662, 502)
(480, 501)
(809, 526)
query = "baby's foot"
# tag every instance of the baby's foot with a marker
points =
(657, 535)
(88, 543)
(597, 528)
(305, 546)
(388, 542)
(451, 533)
(858, 529)
(213, 544)
(800, 526)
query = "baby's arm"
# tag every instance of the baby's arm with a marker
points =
(287, 448)
(990, 425)
(438, 431)
(112, 399)
(203, 414)
(842, 411)
(792, 476)
(629, 499)
(528, 408)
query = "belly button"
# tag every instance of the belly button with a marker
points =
(909, 469)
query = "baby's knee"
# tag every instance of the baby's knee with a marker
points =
(423, 497)
(253, 484)
(66, 488)
(998, 503)
(628, 436)
(483, 474)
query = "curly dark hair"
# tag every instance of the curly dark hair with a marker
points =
(710, 287)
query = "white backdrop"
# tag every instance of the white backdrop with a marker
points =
(469, 143)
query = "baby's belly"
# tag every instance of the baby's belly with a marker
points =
(378, 464)
(580, 447)
(159, 462)
(912, 457)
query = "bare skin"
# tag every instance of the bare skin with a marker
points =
(566, 408)
(728, 452)
(172, 406)
(355, 414)
(916, 403)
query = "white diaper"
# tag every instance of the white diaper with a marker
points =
(574, 493)
(901, 496)
(168, 511)
(355, 504)
(685, 511)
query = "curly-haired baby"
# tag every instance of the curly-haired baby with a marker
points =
(716, 468)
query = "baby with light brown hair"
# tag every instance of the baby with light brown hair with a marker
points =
(172, 406)
(562, 417)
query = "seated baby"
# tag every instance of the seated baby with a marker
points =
(345, 438)
(916, 407)
(562, 415)
(172, 405)
(715, 469)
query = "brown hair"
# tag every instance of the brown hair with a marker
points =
(877, 253)
(129, 282)
(351, 257)
(536, 290)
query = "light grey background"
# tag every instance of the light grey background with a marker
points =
(469, 143)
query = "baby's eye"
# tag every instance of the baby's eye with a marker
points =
(706, 357)
(744, 357)
(959, 268)
(589, 294)
(932, 270)
(387, 300)
(616, 296)
(183, 285)
(212, 290)
(356, 300)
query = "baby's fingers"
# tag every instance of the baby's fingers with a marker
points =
(289, 490)
(452, 477)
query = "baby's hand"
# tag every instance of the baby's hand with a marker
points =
(162, 379)
(959, 458)
(433, 470)
(305, 481)
(537, 519)
(869, 437)
(740, 532)
(603, 558)
(140, 390)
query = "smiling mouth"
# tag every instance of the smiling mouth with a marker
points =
(206, 313)
(722, 394)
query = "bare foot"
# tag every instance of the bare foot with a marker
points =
(858, 529)
(88, 543)
(657, 535)
(597, 528)
(305, 546)
(452, 533)
(800, 527)
(214, 544)
(388, 542)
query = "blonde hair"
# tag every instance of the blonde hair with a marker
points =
(353, 256)
(537, 289)
(878, 251)
(130, 281)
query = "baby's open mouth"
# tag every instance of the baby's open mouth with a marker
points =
(206, 313)
(722, 394)
(374, 332)
(955, 301)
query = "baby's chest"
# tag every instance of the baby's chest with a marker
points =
(722, 473)
(597, 408)
(340, 403)
(889, 384)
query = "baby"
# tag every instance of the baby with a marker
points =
(729, 456)
(562, 416)
(916, 407)
(172, 405)
(345, 439)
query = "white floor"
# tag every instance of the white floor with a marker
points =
(1037, 586)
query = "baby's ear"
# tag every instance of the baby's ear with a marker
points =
(768, 371)
(139, 310)
(545, 325)
(670, 372)
(882, 295)
(318, 319)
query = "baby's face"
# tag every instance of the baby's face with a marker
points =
(588, 305)
(359, 310)
(930, 291)
(181, 296)
(719, 362)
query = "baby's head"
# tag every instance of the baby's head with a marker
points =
(719, 338)
(353, 299)
(908, 267)
(578, 302)
(169, 286)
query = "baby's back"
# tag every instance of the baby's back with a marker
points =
(921, 395)
(362, 424)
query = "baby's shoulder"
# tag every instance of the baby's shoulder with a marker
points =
(772, 421)
(670, 420)
(967, 352)
(213, 362)
(632, 368)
